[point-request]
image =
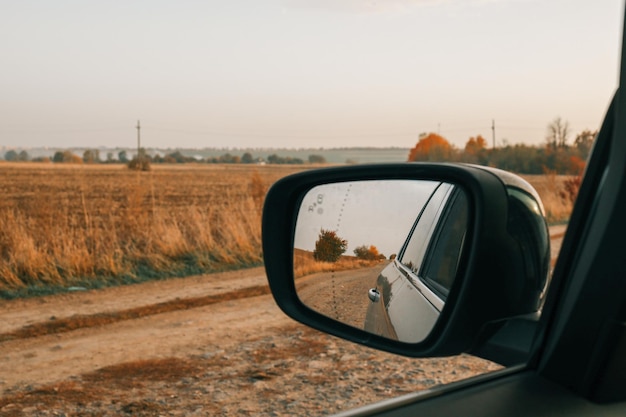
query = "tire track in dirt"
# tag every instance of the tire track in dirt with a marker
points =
(83, 321)
(19, 313)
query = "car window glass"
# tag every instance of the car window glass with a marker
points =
(440, 268)
(137, 143)
(413, 254)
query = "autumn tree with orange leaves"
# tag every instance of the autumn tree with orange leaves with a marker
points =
(475, 151)
(432, 147)
(369, 253)
(556, 155)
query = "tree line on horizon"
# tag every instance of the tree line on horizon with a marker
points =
(143, 159)
(556, 155)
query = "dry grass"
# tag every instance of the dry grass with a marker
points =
(304, 264)
(75, 225)
(93, 225)
(550, 187)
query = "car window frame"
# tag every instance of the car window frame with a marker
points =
(416, 276)
(443, 221)
(447, 189)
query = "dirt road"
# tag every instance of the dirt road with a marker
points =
(92, 345)
(239, 355)
(341, 295)
(207, 345)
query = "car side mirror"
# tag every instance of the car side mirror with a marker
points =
(415, 259)
(343, 233)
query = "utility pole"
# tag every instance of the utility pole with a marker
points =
(138, 139)
(493, 132)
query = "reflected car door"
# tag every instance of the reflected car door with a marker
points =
(412, 289)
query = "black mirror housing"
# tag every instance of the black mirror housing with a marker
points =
(502, 272)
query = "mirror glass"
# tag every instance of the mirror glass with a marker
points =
(380, 255)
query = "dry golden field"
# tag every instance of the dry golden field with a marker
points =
(67, 224)
(91, 225)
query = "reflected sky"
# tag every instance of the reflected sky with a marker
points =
(378, 213)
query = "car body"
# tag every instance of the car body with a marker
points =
(405, 288)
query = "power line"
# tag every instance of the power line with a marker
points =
(281, 135)
(441, 128)
(60, 131)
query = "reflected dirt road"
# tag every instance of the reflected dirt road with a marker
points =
(340, 295)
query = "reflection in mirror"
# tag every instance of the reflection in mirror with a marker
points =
(380, 255)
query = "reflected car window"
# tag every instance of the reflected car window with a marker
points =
(443, 258)
(415, 250)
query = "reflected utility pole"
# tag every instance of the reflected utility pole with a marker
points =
(138, 139)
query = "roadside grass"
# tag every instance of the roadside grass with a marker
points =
(128, 249)
(550, 187)
(304, 264)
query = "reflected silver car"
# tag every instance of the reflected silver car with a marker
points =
(411, 291)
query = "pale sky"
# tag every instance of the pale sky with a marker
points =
(302, 73)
